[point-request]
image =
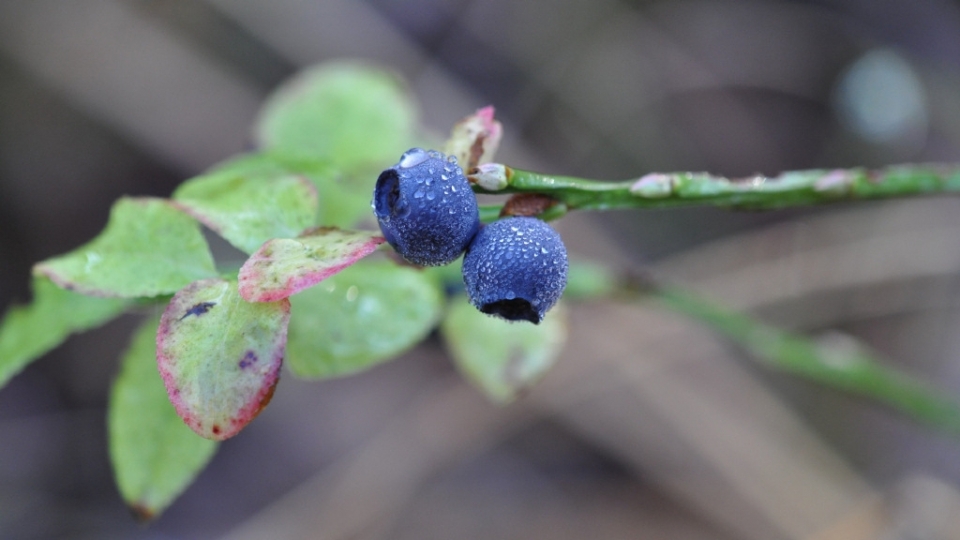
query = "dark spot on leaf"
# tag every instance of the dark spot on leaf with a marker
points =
(248, 360)
(198, 309)
(141, 513)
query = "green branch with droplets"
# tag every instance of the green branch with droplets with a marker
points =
(836, 361)
(758, 192)
(843, 364)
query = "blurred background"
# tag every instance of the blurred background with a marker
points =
(649, 427)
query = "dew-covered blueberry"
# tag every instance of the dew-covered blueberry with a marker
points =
(516, 269)
(425, 208)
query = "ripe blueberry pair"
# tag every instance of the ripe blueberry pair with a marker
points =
(514, 268)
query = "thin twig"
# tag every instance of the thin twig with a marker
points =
(666, 190)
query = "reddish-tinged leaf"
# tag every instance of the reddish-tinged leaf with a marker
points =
(219, 356)
(286, 266)
(475, 139)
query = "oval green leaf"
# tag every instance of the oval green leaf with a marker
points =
(344, 192)
(343, 197)
(502, 358)
(363, 316)
(29, 331)
(154, 455)
(148, 248)
(346, 112)
(220, 356)
(285, 266)
(248, 209)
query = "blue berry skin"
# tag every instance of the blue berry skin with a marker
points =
(425, 208)
(516, 269)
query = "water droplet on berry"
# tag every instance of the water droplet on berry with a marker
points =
(413, 157)
(431, 195)
(418, 194)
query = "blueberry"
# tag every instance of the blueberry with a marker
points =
(516, 269)
(425, 208)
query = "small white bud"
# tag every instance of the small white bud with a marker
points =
(489, 176)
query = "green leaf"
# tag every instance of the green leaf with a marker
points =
(148, 248)
(269, 165)
(343, 196)
(248, 209)
(154, 455)
(365, 315)
(29, 331)
(842, 364)
(285, 266)
(219, 356)
(346, 112)
(502, 358)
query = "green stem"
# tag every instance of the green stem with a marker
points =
(797, 188)
(849, 368)
(844, 365)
